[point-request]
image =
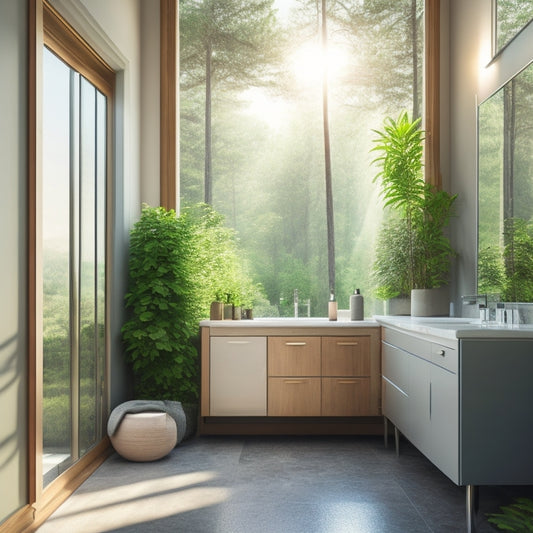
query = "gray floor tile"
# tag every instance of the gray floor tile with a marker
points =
(274, 485)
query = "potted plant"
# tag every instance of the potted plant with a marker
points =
(160, 334)
(413, 242)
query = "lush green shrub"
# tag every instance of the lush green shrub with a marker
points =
(220, 266)
(163, 304)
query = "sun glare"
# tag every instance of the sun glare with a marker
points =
(309, 62)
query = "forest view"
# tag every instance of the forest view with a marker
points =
(252, 144)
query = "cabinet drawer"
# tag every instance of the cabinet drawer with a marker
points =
(395, 366)
(445, 357)
(294, 396)
(346, 356)
(345, 396)
(294, 356)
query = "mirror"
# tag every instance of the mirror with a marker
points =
(510, 17)
(505, 191)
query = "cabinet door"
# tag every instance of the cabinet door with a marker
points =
(238, 380)
(444, 415)
(418, 429)
(346, 397)
(297, 396)
(346, 356)
(294, 356)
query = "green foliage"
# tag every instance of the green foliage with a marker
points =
(418, 252)
(56, 414)
(490, 271)
(517, 516)
(220, 265)
(518, 259)
(178, 265)
(163, 307)
(391, 263)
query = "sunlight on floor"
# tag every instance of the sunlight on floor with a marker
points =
(135, 503)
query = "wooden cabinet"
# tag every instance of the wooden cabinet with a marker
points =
(294, 372)
(320, 376)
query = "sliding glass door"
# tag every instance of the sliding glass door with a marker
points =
(74, 244)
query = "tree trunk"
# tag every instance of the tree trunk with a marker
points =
(414, 43)
(208, 173)
(327, 156)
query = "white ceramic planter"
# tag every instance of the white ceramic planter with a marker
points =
(398, 306)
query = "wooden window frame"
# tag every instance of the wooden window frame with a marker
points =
(47, 28)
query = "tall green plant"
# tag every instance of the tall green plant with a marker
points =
(422, 212)
(163, 309)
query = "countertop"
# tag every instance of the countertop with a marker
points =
(456, 328)
(290, 323)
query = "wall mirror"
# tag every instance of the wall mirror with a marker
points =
(510, 17)
(505, 191)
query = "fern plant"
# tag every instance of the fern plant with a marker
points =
(422, 260)
(517, 516)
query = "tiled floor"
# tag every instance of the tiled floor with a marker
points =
(275, 485)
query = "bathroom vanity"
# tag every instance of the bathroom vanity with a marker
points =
(304, 375)
(462, 393)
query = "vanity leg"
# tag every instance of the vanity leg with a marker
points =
(397, 441)
(385, 432)
(471, 494)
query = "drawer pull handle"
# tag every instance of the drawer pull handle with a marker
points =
(441, 352)
(238, 342)
(347, 343)
(347, 382)
(295, 343)
(294, 381)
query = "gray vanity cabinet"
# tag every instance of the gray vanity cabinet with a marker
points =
(420, 395)
(467, 404)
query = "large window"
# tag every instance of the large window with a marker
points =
(252, 85)
(75, 137)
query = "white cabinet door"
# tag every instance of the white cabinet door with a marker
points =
(444, 413)
(418, 429)
(238, 376)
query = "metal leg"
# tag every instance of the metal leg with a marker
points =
(386, 431)
(397, 440)
(471, 494)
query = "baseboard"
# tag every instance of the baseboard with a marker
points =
(372, 425)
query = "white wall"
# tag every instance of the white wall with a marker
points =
(471, 81)
(13, 214)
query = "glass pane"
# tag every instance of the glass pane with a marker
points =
(511, 17)
(505, 230)
(87, 352)
(258, 142)
(56, 267)
(101, 173)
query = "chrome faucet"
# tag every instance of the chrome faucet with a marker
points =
(295, 303)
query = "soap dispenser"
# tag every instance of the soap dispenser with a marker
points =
(357, 310)
(332, 306)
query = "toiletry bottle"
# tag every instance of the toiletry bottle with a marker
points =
(332, 307)
(357, 309)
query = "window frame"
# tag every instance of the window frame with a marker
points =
(47, 28)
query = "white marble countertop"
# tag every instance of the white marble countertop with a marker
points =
(455, 328)
(288, 322)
